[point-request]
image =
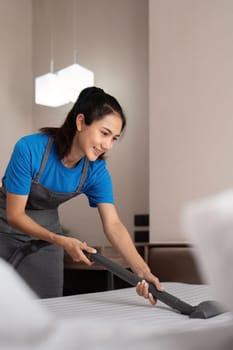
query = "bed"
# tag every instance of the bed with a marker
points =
(110, 320)
(124, 305)
(119, 318)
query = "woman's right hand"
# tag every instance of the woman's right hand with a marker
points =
(75, 249)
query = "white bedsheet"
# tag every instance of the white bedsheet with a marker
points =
(208, 224)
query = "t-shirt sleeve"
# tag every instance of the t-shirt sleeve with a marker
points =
(18, 175)
(100, 190)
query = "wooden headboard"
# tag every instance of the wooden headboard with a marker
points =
(173, 263)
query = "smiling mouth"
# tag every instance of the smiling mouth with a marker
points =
(97, 151)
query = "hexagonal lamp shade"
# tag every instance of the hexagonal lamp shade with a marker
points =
(48, 91)
(74, 79)
(62, 87)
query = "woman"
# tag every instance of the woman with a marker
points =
(51, 167)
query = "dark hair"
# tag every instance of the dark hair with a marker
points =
(95, 104)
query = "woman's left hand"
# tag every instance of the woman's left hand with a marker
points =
(142, 287)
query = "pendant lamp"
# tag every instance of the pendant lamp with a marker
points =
(55, 89)
(73, 80)
(48, 91)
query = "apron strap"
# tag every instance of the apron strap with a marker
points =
(44, 160)
(84, 175)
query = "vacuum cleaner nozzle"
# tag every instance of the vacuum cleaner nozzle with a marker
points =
(206, 309)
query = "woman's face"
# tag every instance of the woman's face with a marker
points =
(95, 139)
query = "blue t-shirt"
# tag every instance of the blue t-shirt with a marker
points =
(25, 163)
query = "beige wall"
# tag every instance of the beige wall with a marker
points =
(15, 74)
(112, 40)
(191, 107)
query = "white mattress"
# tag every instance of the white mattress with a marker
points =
(121, 319)
(124, 305)
(113, 320)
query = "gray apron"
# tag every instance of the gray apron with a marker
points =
(43, 269)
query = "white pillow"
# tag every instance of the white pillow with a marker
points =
(22, 319)
(208, 223)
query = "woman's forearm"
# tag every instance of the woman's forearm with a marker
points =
(71, 245)
(119, 237)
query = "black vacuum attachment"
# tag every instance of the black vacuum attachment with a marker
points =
(205, 309)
